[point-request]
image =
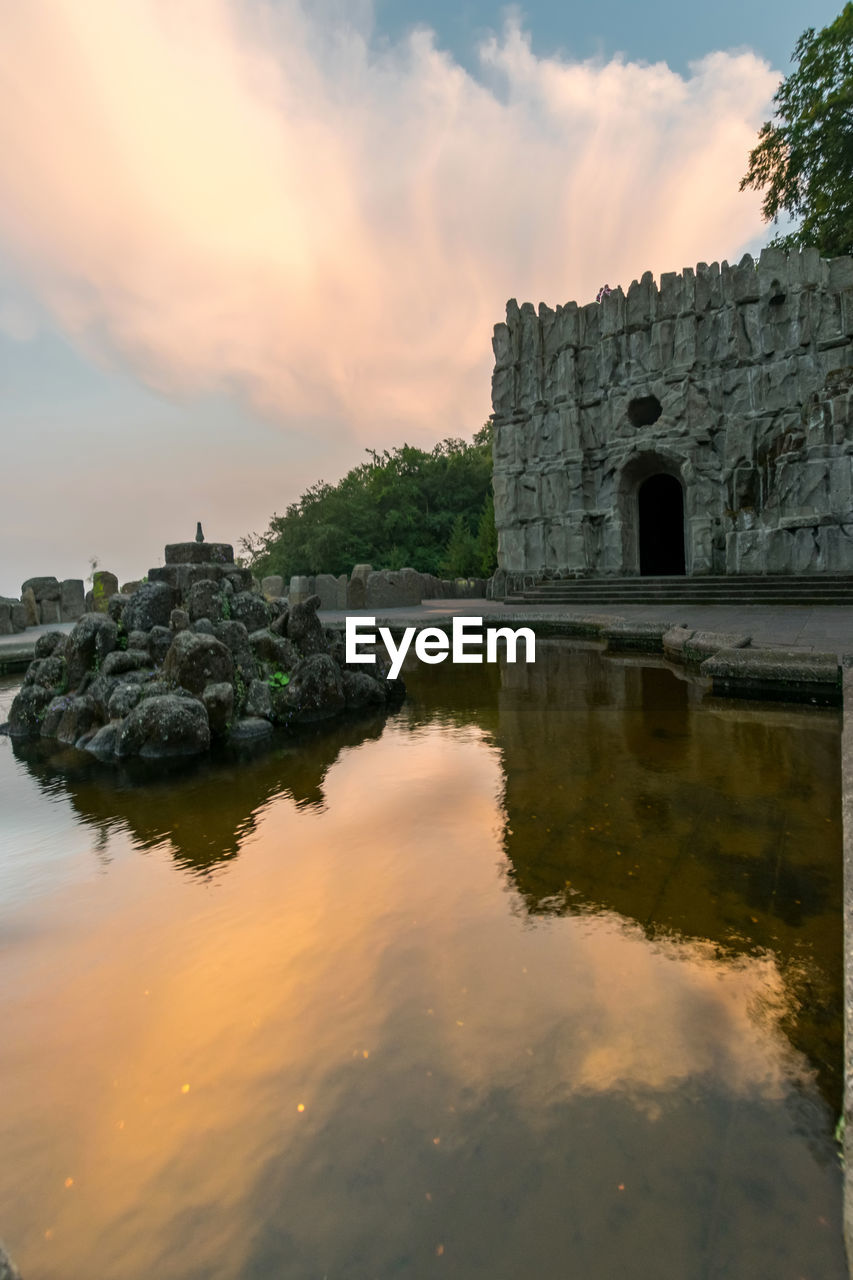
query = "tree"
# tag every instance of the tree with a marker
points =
(487, 540)
(461, 559)
(398, 508)
(804, 159)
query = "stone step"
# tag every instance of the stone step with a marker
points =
(747, 589)
(740, 590)
(706, 580)
(835, 589)
(841, 593)
(805, 602)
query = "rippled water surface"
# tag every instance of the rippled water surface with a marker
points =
(540, 977)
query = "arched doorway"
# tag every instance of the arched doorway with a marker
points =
(660, 511)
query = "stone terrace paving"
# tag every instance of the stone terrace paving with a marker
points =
(808, 628)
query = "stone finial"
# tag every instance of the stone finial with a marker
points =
(199, 535)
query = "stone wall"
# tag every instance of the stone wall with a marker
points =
(381, 589)
(43, 600)
(736, 381)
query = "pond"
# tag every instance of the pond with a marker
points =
(540, 976)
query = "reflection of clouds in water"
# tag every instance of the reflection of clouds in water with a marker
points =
(673, 1012)
(612, 1012)
(357, 955)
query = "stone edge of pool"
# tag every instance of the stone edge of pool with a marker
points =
(727, 660)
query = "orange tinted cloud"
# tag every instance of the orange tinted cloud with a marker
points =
(226, 194)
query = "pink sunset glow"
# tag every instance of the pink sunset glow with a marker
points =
(235, 196)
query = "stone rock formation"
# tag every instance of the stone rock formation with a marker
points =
(195, 656)
(702, 426)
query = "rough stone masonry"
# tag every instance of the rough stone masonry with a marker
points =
(701, 427)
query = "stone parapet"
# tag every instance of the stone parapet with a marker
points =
(42, 600)
(368, 588)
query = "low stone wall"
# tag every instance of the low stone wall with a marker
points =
(42, 600)
(45, 601)
(368, 588)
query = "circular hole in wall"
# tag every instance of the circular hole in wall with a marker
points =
(643, 411)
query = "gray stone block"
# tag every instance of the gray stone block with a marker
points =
(300, 589)
(647, 636)
(326, 587)
(72, 599)
(199, 553)
(356, 593)
(591, 625)
(42, 588)
(104, 585)
(702, 644)
(792, 675)
(391, 590)
(674, 641)
(31, 609)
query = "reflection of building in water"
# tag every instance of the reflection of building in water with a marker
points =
(626, 792)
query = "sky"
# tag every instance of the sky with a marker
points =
(243, 241)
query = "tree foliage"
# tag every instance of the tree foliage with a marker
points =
(804, 159)
(460, 559)
(430, 510)
(487, 540)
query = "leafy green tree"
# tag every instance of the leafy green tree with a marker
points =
(461, 559)
(487, 540)
(804, 159)
(398, 508)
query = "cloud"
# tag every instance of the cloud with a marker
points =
(227, 194)
(17, 319)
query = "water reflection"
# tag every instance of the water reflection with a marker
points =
(204, 811)
(719, 822)
(502, 954)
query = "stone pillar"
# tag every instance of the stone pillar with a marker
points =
(104, 585)
(301, 587)
(71, 599)
(357, 587)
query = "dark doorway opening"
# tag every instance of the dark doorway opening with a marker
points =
(661, 516)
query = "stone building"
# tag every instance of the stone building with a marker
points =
(700, 427)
